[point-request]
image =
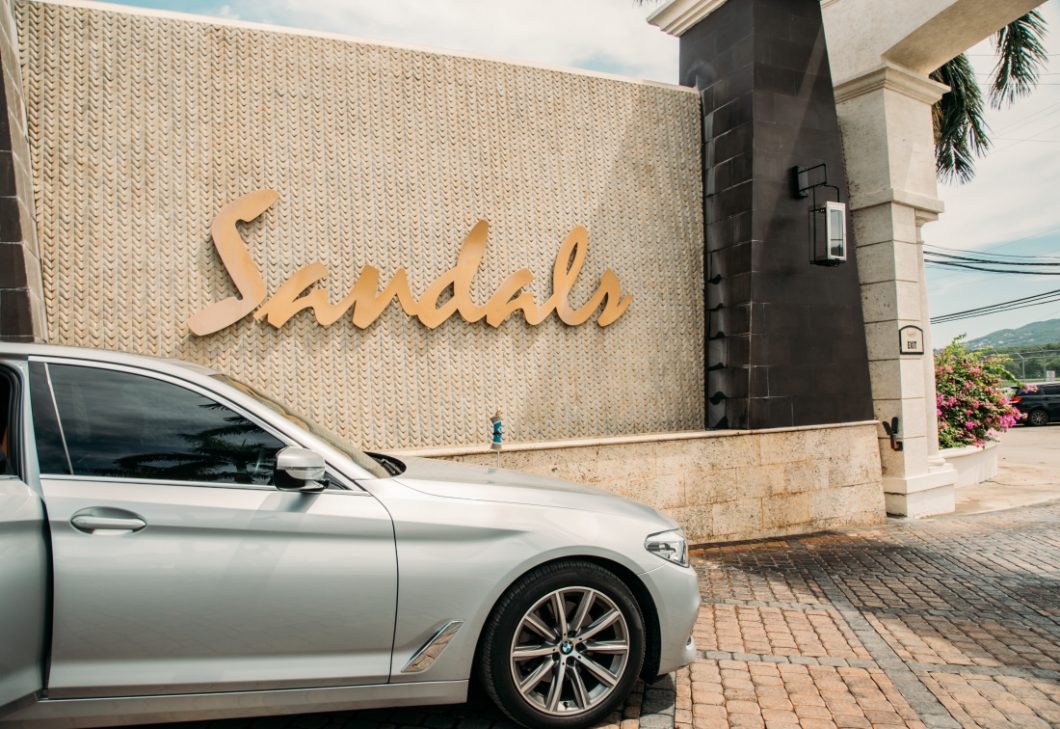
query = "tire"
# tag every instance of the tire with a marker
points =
(597, 660)
(1038, 417)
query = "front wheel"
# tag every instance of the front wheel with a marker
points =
(1038, 417)
(563, 646)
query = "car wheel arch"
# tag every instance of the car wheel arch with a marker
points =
(652, 628)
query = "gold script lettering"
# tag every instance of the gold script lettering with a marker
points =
(240, 266)
(459, 279)
(367, 300)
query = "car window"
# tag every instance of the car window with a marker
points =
(125, 425)
(378, 465)
(7, 423)
(1041, 390)
(51, 452)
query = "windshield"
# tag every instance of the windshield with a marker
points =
(334, 440)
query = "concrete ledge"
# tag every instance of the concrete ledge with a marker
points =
(974, 464)
(546, 445)
(719, 485)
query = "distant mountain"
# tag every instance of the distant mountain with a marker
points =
(1029, 335)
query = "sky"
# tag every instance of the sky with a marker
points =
(1011, 207)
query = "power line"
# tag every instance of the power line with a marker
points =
(993, 263)
(1046, 297)
(942, 257)
(1033, 136)
(953, 252)
(1032, 117)
(1001, 304)
(974, 267)
(994, 55)
(952, 319)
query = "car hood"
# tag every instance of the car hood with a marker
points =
(465, 481)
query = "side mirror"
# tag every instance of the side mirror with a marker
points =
(301, 468)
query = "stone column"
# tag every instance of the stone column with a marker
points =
(934, 459)
(21, 286)
(885, 117)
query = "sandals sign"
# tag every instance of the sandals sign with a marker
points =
(366, 301)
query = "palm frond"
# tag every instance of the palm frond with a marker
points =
(1021, 57)
(960, 129)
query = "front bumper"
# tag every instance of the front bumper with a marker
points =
(675, 590)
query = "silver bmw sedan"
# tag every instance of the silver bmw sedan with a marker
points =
(176, 546)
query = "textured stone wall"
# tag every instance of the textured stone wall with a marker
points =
(21, 286)
(729, 485)
(143, 127)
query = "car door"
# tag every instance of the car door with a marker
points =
(1052, 400)
(179, 567)
(23, 551)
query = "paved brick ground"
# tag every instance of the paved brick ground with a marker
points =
(950, 622)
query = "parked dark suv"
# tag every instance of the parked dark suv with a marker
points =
(1041, 405)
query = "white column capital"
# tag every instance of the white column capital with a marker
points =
(891, 77)
(678, 16)
(927, 207)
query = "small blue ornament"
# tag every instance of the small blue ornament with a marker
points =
(496, 431)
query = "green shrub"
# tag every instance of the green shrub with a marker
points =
(970, 396)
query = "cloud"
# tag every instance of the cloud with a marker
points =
(602, 35)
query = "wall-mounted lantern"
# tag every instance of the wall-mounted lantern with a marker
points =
(828, 221)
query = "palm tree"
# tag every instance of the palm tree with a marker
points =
(960, 130)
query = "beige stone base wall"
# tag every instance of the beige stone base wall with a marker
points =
(722, 485)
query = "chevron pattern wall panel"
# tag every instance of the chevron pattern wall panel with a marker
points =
(144, 127)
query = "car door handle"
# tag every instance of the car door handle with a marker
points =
(107, 520)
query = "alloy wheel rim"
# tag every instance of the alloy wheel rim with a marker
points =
(570, 651)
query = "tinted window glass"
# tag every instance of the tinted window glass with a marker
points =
(125, 425)
(7, 423)
(51, 454)
(372, 463)
(1041, 390)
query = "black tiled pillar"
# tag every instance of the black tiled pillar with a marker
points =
(786, 344)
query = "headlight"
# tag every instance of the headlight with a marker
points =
(669, 545)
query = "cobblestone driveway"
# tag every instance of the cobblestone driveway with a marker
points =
(951, 622)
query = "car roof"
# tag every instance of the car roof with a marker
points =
(89, 354)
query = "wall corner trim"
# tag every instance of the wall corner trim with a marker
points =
(678, 16)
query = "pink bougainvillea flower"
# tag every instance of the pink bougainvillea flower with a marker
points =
(971, 399)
